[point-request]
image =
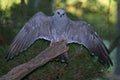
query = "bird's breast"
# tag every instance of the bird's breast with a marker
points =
(59, 30)
(59, 34)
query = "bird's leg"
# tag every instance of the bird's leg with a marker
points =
(64, 58)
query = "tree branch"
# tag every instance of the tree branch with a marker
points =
(22, 70)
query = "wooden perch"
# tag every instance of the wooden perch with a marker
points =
(22, 70)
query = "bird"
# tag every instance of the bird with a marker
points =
(56, 28)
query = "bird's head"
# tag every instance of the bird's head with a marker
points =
(60, 13)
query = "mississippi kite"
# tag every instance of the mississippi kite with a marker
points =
(56, 28)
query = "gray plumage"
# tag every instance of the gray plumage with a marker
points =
(56, 28)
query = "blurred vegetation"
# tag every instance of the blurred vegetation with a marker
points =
(101, 14)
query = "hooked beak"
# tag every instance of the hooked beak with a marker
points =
(60, 15)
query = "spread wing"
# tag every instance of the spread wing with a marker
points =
(37, 27)
(80, 32)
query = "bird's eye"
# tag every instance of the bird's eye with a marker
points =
(63, 13)
(58, 12)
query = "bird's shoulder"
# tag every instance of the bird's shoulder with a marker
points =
(40, 16)
(79, 25)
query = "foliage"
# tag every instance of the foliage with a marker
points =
(100, 14)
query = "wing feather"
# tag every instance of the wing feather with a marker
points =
(80, 32)
(39, 26)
